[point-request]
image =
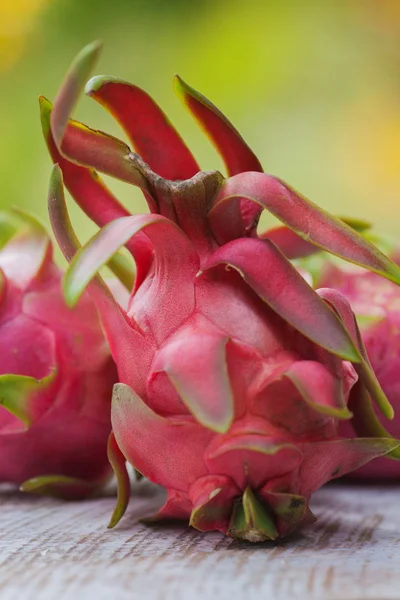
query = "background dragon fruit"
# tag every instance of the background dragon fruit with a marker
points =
(234, 372)
(56, 372)
(376, 303)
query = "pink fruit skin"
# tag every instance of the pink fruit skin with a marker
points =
(70, 416)
(170, 447)
(233, 372)
(377, 304)
(218, 392)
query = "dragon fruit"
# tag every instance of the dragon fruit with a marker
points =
(56, 373)
(234, 373)
(376, 303)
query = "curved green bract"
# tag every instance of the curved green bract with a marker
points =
(65, 234)
(197, 368)
(338, 411)
(60, 486)
(304, 217)
(118, 463)
(72, 87)
(365, 421)
(10, 223)
(311, 316)
(59, 217)
(364, 369)
(8, 227)
(234, 151)
(103, 246)
(17, 393)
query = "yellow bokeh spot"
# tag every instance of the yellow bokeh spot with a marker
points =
(17, 18)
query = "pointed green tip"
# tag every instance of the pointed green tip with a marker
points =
(221, 426)
(186, 93)
(98, 81)
(252, 521)
(73, 284)
(394, 273)
(18, 393)
(93, 48)
(375, 389)
(118, 463)
(115, 519)
(45, 112)
(70, 90)
(389, 411)
(58, 213)
(391, 445)
(56, 183)
(60, 486)
(181, 89)
(217, 423)
(177, 80)
(190, 96)
(85, 60)
(72, 293)
(55, 191)
(347, 352)
(381, 399)
(343, 414)
(36, 484)
(71, 290)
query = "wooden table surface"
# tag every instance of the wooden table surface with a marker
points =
(50, 550)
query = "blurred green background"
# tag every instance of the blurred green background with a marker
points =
(314, 87)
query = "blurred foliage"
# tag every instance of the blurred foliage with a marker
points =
(313, 86)
(17, 20)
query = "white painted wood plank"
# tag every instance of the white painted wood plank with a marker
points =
(51, 550)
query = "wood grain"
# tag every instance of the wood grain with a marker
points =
(51, 550)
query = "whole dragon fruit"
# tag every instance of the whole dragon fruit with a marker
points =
(56, 372)
(234, 372)
(376, 303)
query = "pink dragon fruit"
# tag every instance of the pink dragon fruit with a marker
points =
(56, 373)
(234, 373)
(376, 303)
